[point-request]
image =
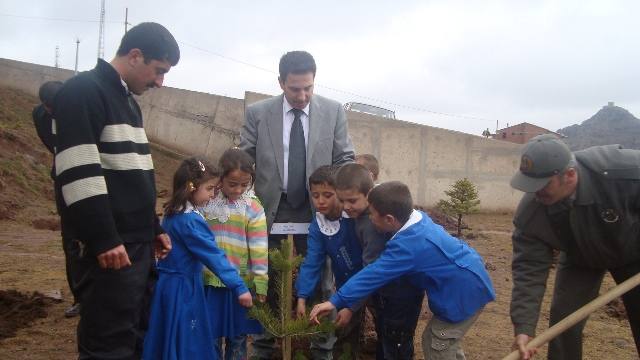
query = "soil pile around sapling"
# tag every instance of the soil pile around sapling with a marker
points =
(19, 310)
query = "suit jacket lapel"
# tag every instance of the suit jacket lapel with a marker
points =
(315, 123)
(275, 133)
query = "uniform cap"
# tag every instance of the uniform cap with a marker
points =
(542, 157)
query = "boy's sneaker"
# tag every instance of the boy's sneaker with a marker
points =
(73, 310)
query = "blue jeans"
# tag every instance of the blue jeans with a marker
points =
(235, 348)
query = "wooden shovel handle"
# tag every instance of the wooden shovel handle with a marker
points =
(578, 315)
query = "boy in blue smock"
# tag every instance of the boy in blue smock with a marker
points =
(452, 273)
(333, 235)
(396, 306)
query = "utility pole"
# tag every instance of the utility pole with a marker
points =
(101, 32)
(126, 19)
(57, 56)
(77, 50)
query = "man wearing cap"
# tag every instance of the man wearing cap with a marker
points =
(586, 205)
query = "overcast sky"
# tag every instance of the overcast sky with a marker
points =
(550, 63)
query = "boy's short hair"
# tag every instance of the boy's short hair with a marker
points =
(354, 177)
(370, 162)
(154, 40)
(324, 175)
(48, 91)
(296, 62)
(392, 198)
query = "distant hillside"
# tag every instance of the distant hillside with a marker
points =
(611, 125)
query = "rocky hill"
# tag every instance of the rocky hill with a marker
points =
(611, 125)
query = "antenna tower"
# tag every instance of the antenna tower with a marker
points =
(101, 33)
(126, 19)
(77, 51)
(57, 55)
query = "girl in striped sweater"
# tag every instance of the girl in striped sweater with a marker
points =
(237, 219)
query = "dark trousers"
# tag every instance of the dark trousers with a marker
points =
(397, 308)
(111, 322)
(575, 286)
(72, 253)
(350, 334)
(287, 214)
(322, 345)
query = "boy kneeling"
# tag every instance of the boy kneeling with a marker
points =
(451, 272)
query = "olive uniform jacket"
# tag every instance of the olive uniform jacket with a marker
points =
(603, 230)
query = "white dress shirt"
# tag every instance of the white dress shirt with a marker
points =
(287, 122)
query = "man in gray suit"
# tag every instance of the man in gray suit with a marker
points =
(290, 136)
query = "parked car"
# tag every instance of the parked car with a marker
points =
(370, 109)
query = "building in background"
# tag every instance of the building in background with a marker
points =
(521, 133)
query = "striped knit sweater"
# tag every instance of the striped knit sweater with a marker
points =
(240, 229)
(103, 162)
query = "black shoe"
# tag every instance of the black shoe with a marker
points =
(73, 310)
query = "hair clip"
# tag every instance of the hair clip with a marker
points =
(190, 186)
(201, 166)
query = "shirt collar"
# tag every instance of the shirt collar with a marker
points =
(126, 87)
(189, 208)
(415, 218)
(286, 107)
(109, 73)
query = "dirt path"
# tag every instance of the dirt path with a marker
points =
(32, 260)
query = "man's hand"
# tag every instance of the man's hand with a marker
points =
(115, 258)
(301, 308)
(162, 246)
(261, 298)
(343, 318)
(519, 343)
(246, 299)
(320, 310)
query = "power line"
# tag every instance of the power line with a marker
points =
(228, 58)
(346, 92)
(57, 19)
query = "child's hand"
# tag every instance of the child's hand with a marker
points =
(301, 308)
(261, 298)
(320, 310)
(246, 300)
(343, 318)
(162, 246)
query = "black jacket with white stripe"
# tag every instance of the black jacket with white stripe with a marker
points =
(103, 162)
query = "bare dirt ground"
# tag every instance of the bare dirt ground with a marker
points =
(31, 259)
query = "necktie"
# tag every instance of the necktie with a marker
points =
(296, 184)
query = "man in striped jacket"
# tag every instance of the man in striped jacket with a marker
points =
(105, 173)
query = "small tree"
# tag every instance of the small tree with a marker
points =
(280, 323)
(463, 200)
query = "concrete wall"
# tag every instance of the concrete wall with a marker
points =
(428, 159)
(192, 122)
(28, 77)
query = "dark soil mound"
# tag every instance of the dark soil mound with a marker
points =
(18, 310)
(47, 223)
(447, 222)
